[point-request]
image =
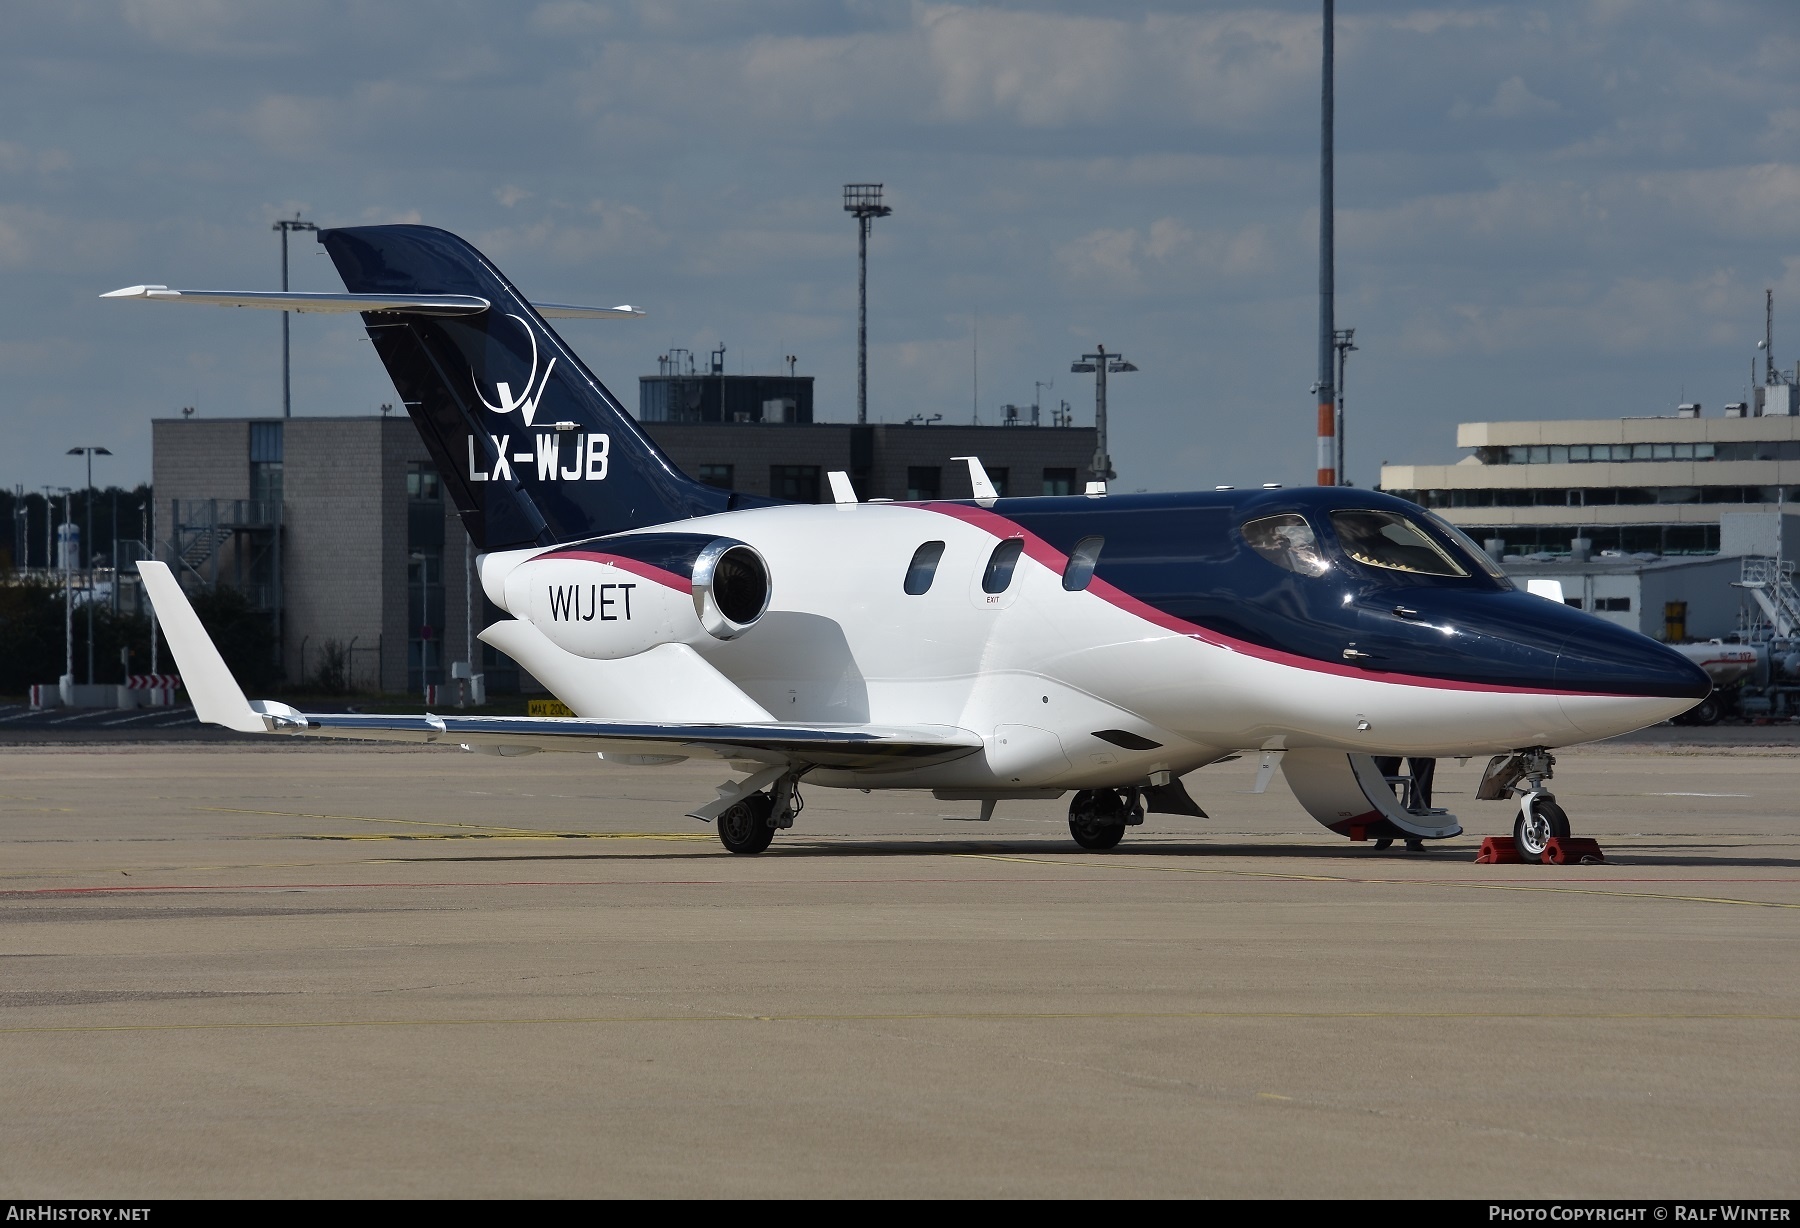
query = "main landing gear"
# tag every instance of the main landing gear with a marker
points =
(1098, 817)
(1540, 819)
(749, 824)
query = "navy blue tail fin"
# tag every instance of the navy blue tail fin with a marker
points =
(533, 449)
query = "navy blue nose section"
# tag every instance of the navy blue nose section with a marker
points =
(1601, 658)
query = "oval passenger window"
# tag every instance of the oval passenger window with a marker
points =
(923, 568)
(1082, 560)
(998, 576)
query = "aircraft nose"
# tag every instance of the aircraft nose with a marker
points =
(1614, 681)
(1612, 660)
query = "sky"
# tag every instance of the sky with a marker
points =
(1548, 210)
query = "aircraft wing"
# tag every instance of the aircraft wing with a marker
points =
(218, 700)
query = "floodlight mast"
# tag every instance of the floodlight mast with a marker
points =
(862, 201)
(1101, 364)
(285, 225)
(1346, 345)
(1324, 388)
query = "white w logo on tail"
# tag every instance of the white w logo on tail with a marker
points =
(527, 401)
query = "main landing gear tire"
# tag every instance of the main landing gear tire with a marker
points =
(1536, 825)
(1097, 819)
(745, 827)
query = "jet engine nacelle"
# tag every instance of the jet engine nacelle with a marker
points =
(617, 597)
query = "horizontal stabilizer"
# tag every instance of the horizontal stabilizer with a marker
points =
(306, 302)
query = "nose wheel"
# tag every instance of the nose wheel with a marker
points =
(1540, 821)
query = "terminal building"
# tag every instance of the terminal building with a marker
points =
(1646, 521)
(338, 530)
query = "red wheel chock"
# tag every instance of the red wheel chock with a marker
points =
(1573, 851)
(1498, 851)
(1563, 851)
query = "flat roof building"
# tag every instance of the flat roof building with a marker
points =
(336, 528)
(1635, 485)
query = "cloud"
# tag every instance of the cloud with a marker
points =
(1512, 99)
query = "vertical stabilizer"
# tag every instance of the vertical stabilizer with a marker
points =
(531, 446)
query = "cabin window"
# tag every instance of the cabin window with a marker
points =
(1287, 541)
(999, 574)
(1391, 541)
(1082, 560)
(923, 568)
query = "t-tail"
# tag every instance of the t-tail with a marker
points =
(531, 446)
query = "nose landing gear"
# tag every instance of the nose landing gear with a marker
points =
(1540, 820)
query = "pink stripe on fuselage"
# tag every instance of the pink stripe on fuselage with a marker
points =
(656, 575)
(1041, 551)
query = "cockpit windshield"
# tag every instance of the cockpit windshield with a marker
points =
(1482, 558)
(1389, 540)
(1287, 541)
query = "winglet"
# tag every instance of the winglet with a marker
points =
(218, 700)
(841, 489)
(978, 478)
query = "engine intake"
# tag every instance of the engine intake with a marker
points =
(616, 597)
(731, 588)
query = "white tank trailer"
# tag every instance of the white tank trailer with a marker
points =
(1749, 680)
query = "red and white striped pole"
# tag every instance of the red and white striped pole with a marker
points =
(1326, 386)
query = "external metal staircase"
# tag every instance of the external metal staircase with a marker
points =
(1770, 581)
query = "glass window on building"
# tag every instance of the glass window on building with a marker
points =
(999, 478)
(1538, 455)
(424, 619)
(798, 483)
(716, 475)
(1641, 451)
(422, 484)
(924, 481)
(1517, 456)
(1684, 451)
(266, 468)
(1704, 451)
(1580, 452)
(1559, 455)
(1059, 481)
(1662, 451)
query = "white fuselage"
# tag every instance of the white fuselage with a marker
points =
(1037, 671)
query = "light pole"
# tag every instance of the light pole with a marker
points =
(862, 201)
(1101, 364)
(1345, 341)
(87, 548)
(1326, 395)
(284, 226)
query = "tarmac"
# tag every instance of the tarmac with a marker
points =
(289, 970)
